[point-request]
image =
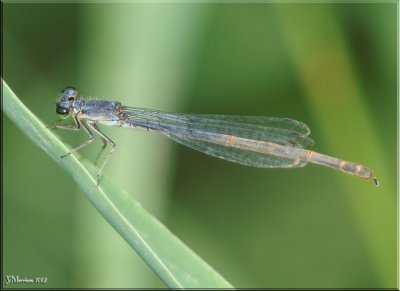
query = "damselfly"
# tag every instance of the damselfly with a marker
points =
(257, 141)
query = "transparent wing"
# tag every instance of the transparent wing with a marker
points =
(198, 131)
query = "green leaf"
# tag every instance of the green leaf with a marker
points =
(175, 264)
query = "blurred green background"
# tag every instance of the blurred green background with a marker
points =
(332, 66)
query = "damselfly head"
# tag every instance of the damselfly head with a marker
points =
(66, 101)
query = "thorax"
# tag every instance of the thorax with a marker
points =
(100, 111)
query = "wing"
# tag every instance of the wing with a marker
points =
(198, 130)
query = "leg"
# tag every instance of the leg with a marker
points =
(69, 127)
(103, 147)
(107, 140)
(85, 127)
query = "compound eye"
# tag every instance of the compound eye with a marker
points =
(69, 93)
(62, 110)
(68, 88)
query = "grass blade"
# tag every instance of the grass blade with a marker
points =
(175, 264)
